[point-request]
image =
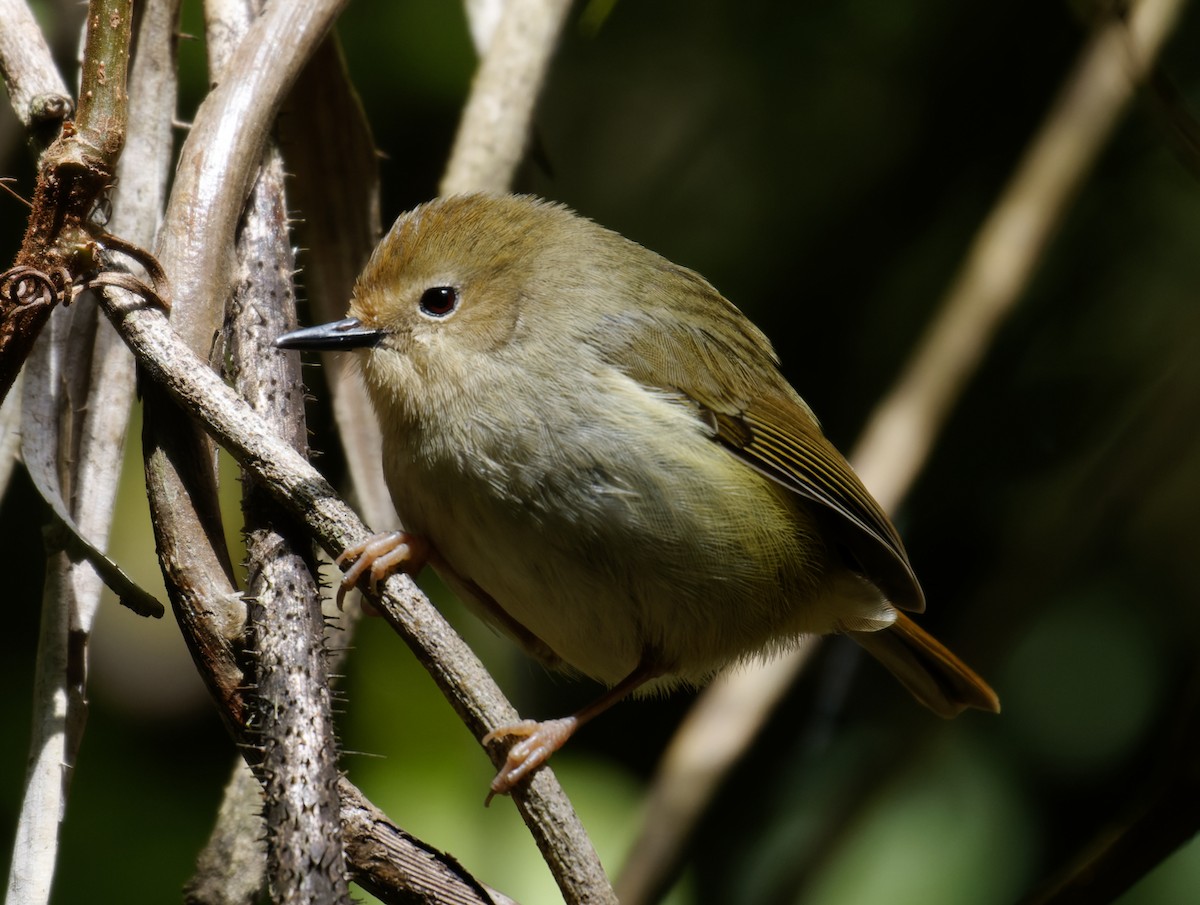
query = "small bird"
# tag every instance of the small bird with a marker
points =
(599, 454)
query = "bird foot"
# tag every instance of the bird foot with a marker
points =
(380, 556)
(537, 741)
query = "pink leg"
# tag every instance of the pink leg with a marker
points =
(539, 740)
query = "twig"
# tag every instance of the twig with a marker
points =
(72, 451)
(75, 173)
(334, 176)
(490, 142)
(220, 159)
(495, 124)
(58, 712)
(10, 434)
(231, 868)
(483, 16)
(331, 155)
(254, 61)
(35, 88)
(904, 426)
(1012, 240)
(386, 860)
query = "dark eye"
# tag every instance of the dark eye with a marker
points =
(439, 301)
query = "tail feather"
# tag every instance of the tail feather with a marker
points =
(927, 668)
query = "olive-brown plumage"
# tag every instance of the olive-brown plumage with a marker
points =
(606, 463)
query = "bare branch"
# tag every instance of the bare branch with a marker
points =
(331, 155)
(73, 451)
(58, 713)
(231, 868)
(495, 125)
(291, 717)
(483, 16)
(221, 156)
(394, 866)
(145, 164)
(104, 97)
(76, 171)
(905, 424)
(217, 166)
(220, 159)
(10, 434)
(35, 87)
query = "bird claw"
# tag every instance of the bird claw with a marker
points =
(537, 741)
(381, 555)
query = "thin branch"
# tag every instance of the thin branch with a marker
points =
(334, 181)
(75, 173)
(395, 867)
(101, 118)
(490, 142)
(57, 709)
(905, 424)
(231, 868)
(292, 720)
(898, 437)
(217, 167)
(334, 525)
(331, 155)
(483, 16)
(72, 451)
(145, 164)
(255, 62)
(35, 88)
(495, 124)
(10, 434)
(220, 159)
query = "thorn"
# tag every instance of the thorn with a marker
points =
(4, 184)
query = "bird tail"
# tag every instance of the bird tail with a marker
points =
(927, 668)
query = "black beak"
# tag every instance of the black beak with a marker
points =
(343, 334)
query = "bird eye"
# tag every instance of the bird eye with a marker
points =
(439, 301)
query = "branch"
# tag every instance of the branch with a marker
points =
(255, 62)
(217, 166)
(386, 860)
(490, 142)
(330, 153)
(1012, 240)
(231, 868)
(898, 437)
(38, 94)
(220, 160)
(72, 451)
(76, 171)
(495, 124)
(291, 717)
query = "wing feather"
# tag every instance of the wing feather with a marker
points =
(710, 354)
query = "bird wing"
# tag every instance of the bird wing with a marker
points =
(729, 373)
(778, 437)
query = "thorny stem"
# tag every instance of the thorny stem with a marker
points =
(75, 173)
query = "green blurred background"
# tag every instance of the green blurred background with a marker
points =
(825, 165)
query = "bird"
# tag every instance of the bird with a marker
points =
(599, 453)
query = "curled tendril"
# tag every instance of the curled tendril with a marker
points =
(129, 283)
(26, 285)
(160, 287)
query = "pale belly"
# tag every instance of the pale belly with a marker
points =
(680, 555)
